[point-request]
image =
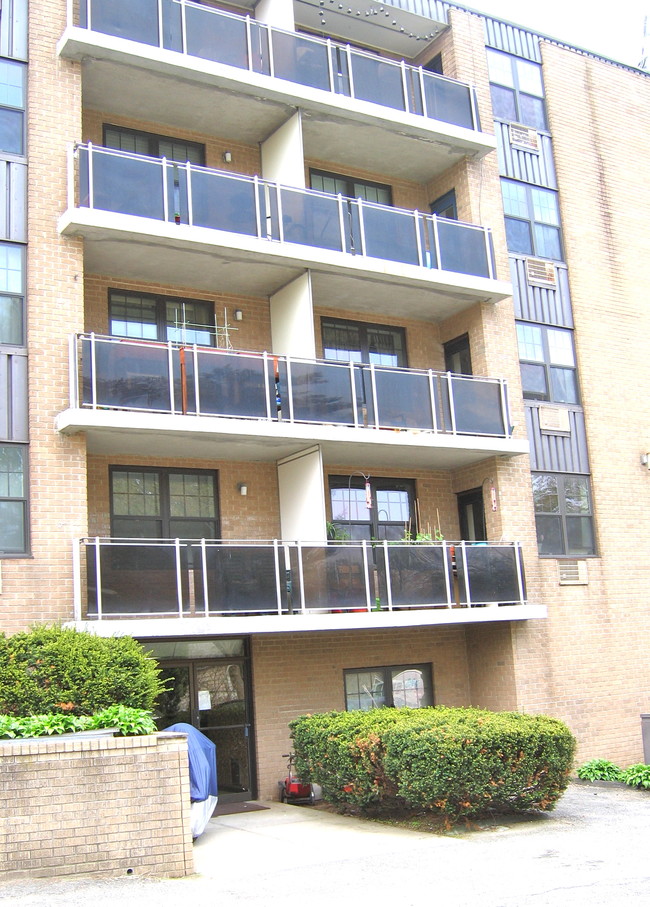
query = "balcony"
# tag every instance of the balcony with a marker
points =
(141, 55)
(154, 219)
(246, 586)
(261, 406)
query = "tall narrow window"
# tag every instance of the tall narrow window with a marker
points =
(13, 499)
(517, 90)
(563, 515)
(548, 366)
(532, 219)
(12, 107)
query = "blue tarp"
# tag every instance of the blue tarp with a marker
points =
(203, 761)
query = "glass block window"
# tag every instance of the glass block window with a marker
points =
(13, 500)
(563, 515)
(396, 686)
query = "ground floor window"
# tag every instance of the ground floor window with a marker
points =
(13, 499)
(563, 515)
(398, 686)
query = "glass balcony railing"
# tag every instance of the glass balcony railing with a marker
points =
(244, 43)
(126, 374)
(180, 577)
(162, 190)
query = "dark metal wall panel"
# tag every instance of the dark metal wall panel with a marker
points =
(430, 9)
(13, 29)
(531, 167)
(13, 201)
(13, 397)
(557, 453)
(538, 303)
(511, 39)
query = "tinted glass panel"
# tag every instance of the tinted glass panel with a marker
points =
(462, 249)
(580, 535)
(390, 235)
(11, 131)
(447, 101)
(533, 379)
(403, 400)
(126, 19)
(223, 203)
(564, 385)
(242, 579)
(11, 320)
(488, 574)
(321, 393)
(477, 405)
(547, 241)
(550, 538)
(232, 386)
(531, 112)
(135, 579)
(504, 105)
(518, 236)
(378, 81)
(127, 185)
(215, 37)
(12, 527)
(127, 375)
(300, 60)
(312, 220)
(419, 574)
(334, 578)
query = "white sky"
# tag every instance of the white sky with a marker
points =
(613, 29)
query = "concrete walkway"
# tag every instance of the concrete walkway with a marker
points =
(592, 850)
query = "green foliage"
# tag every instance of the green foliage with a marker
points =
(52, 670)
(637, 775)
(455, 762)
(129, 722)
(600, 770)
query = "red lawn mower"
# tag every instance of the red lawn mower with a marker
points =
(292, 789)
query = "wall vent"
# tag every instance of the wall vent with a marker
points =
(573, 573)
(524, 137)
(554, 420)
(541, 273)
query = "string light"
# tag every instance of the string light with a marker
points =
(374, 11)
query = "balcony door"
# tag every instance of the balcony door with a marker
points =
(208, 686)
(373, 509)
(471, 516)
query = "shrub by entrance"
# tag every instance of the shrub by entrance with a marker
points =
(452, 761)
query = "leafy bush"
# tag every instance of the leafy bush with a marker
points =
(129, 722)
(456, 762)
(637, 775)
(600, 770)
(52, 670)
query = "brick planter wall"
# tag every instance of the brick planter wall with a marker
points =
(95, 806)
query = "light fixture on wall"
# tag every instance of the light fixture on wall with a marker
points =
(243, 489)
(645, 460)
(238, 315)
(227, 157)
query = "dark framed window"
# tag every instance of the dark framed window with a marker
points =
(359, 341)
(350, 187)
(14, 500)
(376, 509)
(458, 357)
(517, 90)
(12, 107)
(155, 503)
(153, 145)
(563, 515)
(532, 219)
(445, 206)
(147, 317)
(12, 290)
(394, 686)
(548, 363)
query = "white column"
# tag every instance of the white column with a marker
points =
(283, 160)
(278, 13)
(292, 319)
(302, 498)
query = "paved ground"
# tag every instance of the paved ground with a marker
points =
(592, 850)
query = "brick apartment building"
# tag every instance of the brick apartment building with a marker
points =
(287, 287)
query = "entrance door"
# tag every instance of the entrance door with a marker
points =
(471, 515)
(214, 696)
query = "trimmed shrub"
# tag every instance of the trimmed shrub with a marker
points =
(54, 670)
(456, 762)
(600, 770)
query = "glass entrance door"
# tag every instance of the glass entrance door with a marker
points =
(214, 696)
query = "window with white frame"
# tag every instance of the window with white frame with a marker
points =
(394, 686)
(547, 362)
(563, 515)
(532, 219)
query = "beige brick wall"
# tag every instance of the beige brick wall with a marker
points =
(294, 674)
(109, 806)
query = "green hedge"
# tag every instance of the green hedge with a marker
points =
(456, 762)
(54, 670)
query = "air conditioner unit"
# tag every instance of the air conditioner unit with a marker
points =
(554, 420)
(524, 137)
(541, 273)
(573, 573)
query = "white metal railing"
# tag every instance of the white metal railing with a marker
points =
(149, 376)
(168, 191)
(184, 578)
(242, 42)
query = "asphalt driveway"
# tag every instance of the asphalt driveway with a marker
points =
(592, 850)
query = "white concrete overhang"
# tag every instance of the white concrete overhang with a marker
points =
(110, 431)
(162, 86)
(379, 25)
(173, 627)
(215, 260)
